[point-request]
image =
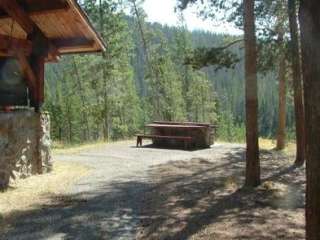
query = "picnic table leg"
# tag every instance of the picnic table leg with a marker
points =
(139, 141)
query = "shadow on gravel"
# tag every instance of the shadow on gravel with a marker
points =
(199, 199)
(108, 213)
(182, 199)
(168, 147)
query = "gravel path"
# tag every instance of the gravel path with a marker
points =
(107, 203)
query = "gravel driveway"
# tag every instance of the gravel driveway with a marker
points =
(107, 203)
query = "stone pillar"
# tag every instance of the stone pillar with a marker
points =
(45, 143)
(24, 145)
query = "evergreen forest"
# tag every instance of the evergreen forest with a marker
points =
(144, 76)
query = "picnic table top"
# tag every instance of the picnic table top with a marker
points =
(174, 126)
(184, 123)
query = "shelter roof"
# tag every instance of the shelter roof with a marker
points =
(62, 22)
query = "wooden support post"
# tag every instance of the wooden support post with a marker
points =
(33, 70)
(29, 75)
(37, 64)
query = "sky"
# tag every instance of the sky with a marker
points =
(162, 11)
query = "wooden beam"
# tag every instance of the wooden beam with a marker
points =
(37, 64)
(66, 44)
(33, 67)
(53, 54)
(16, 12)
(30, 76)
(11, 46)
(33, 71)
(39, 7)
(73, 42)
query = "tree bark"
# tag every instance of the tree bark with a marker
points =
(106, 134)
(297, 83)
(310, 40)
(281, 135)
(69, 120)
(252, 154)
(143, 38)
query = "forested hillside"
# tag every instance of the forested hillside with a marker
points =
(142, 77)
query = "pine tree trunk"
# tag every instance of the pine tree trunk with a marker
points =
(106, 128)
(252, 155)
(105, 80)
(70, 131)
(297, 83)
(281, 136)
(142, 34)
(310, 40)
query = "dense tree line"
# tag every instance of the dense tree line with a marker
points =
(113, 95)
(141, 77)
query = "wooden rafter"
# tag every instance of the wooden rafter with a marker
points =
(33, 66)
(39, 7)
(16, 12)
(84, 17)
(11, 46)
(35, 42)
(49, 19)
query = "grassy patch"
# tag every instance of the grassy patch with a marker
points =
(270, 144)
(27, 194)
(62, 148)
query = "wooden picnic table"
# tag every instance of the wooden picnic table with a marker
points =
(174, 126)
(201, 134)
(186, 123)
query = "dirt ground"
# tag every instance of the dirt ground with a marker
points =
(160, 194)
(27, 194)
(203, 199)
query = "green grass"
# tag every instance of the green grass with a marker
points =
(67, 148)
(270, 144)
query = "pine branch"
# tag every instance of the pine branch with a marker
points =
(219, 57)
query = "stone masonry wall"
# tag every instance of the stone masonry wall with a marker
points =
(24, 145)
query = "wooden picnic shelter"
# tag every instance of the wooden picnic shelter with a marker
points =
(35, 32)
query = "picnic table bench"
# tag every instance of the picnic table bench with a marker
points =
(185, 139)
